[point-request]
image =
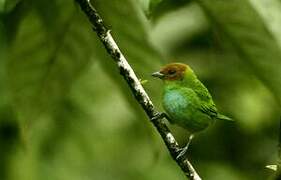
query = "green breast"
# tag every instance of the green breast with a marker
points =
(181, 104)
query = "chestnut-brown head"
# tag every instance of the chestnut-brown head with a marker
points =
(172, 72)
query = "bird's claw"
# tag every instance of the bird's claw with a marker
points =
(182, 151)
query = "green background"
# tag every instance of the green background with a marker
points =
(67, 114)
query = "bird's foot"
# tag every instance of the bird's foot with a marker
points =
(159, 115)
(182, 151)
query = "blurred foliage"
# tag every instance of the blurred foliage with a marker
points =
(65, 113)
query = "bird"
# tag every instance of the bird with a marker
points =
(186, 101)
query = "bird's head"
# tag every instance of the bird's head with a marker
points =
(173, 72)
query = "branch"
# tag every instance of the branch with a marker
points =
(139, 93)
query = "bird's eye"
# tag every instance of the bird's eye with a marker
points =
(171, 72)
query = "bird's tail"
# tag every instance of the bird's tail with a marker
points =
(223, 117)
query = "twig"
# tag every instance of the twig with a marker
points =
(141, 96)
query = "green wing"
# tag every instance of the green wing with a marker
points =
(209, 110)
(212, 111)
(207, 104)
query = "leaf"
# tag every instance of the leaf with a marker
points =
(133, 42)
(3, 57)
(159, 7)
(270, 12)
(44, 62)
(186, 23)
(132, 37)
(153, 4)
(2, 5)
(250, 36)
(144, 4)
(7, 5)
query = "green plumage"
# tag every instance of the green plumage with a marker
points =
(186, 100)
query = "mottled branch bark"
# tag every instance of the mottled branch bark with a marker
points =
(138, 91)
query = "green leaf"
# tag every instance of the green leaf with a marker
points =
(157, 8)
(8, 5)
(251, 36)
(185, 23)
(9, 126)
(270, 12)
(2, 5)
(132, 38)
(144, 4)
(44, 62)
(153, 4)
(3, 57)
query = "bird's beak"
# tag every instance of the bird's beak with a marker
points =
(158, 75)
